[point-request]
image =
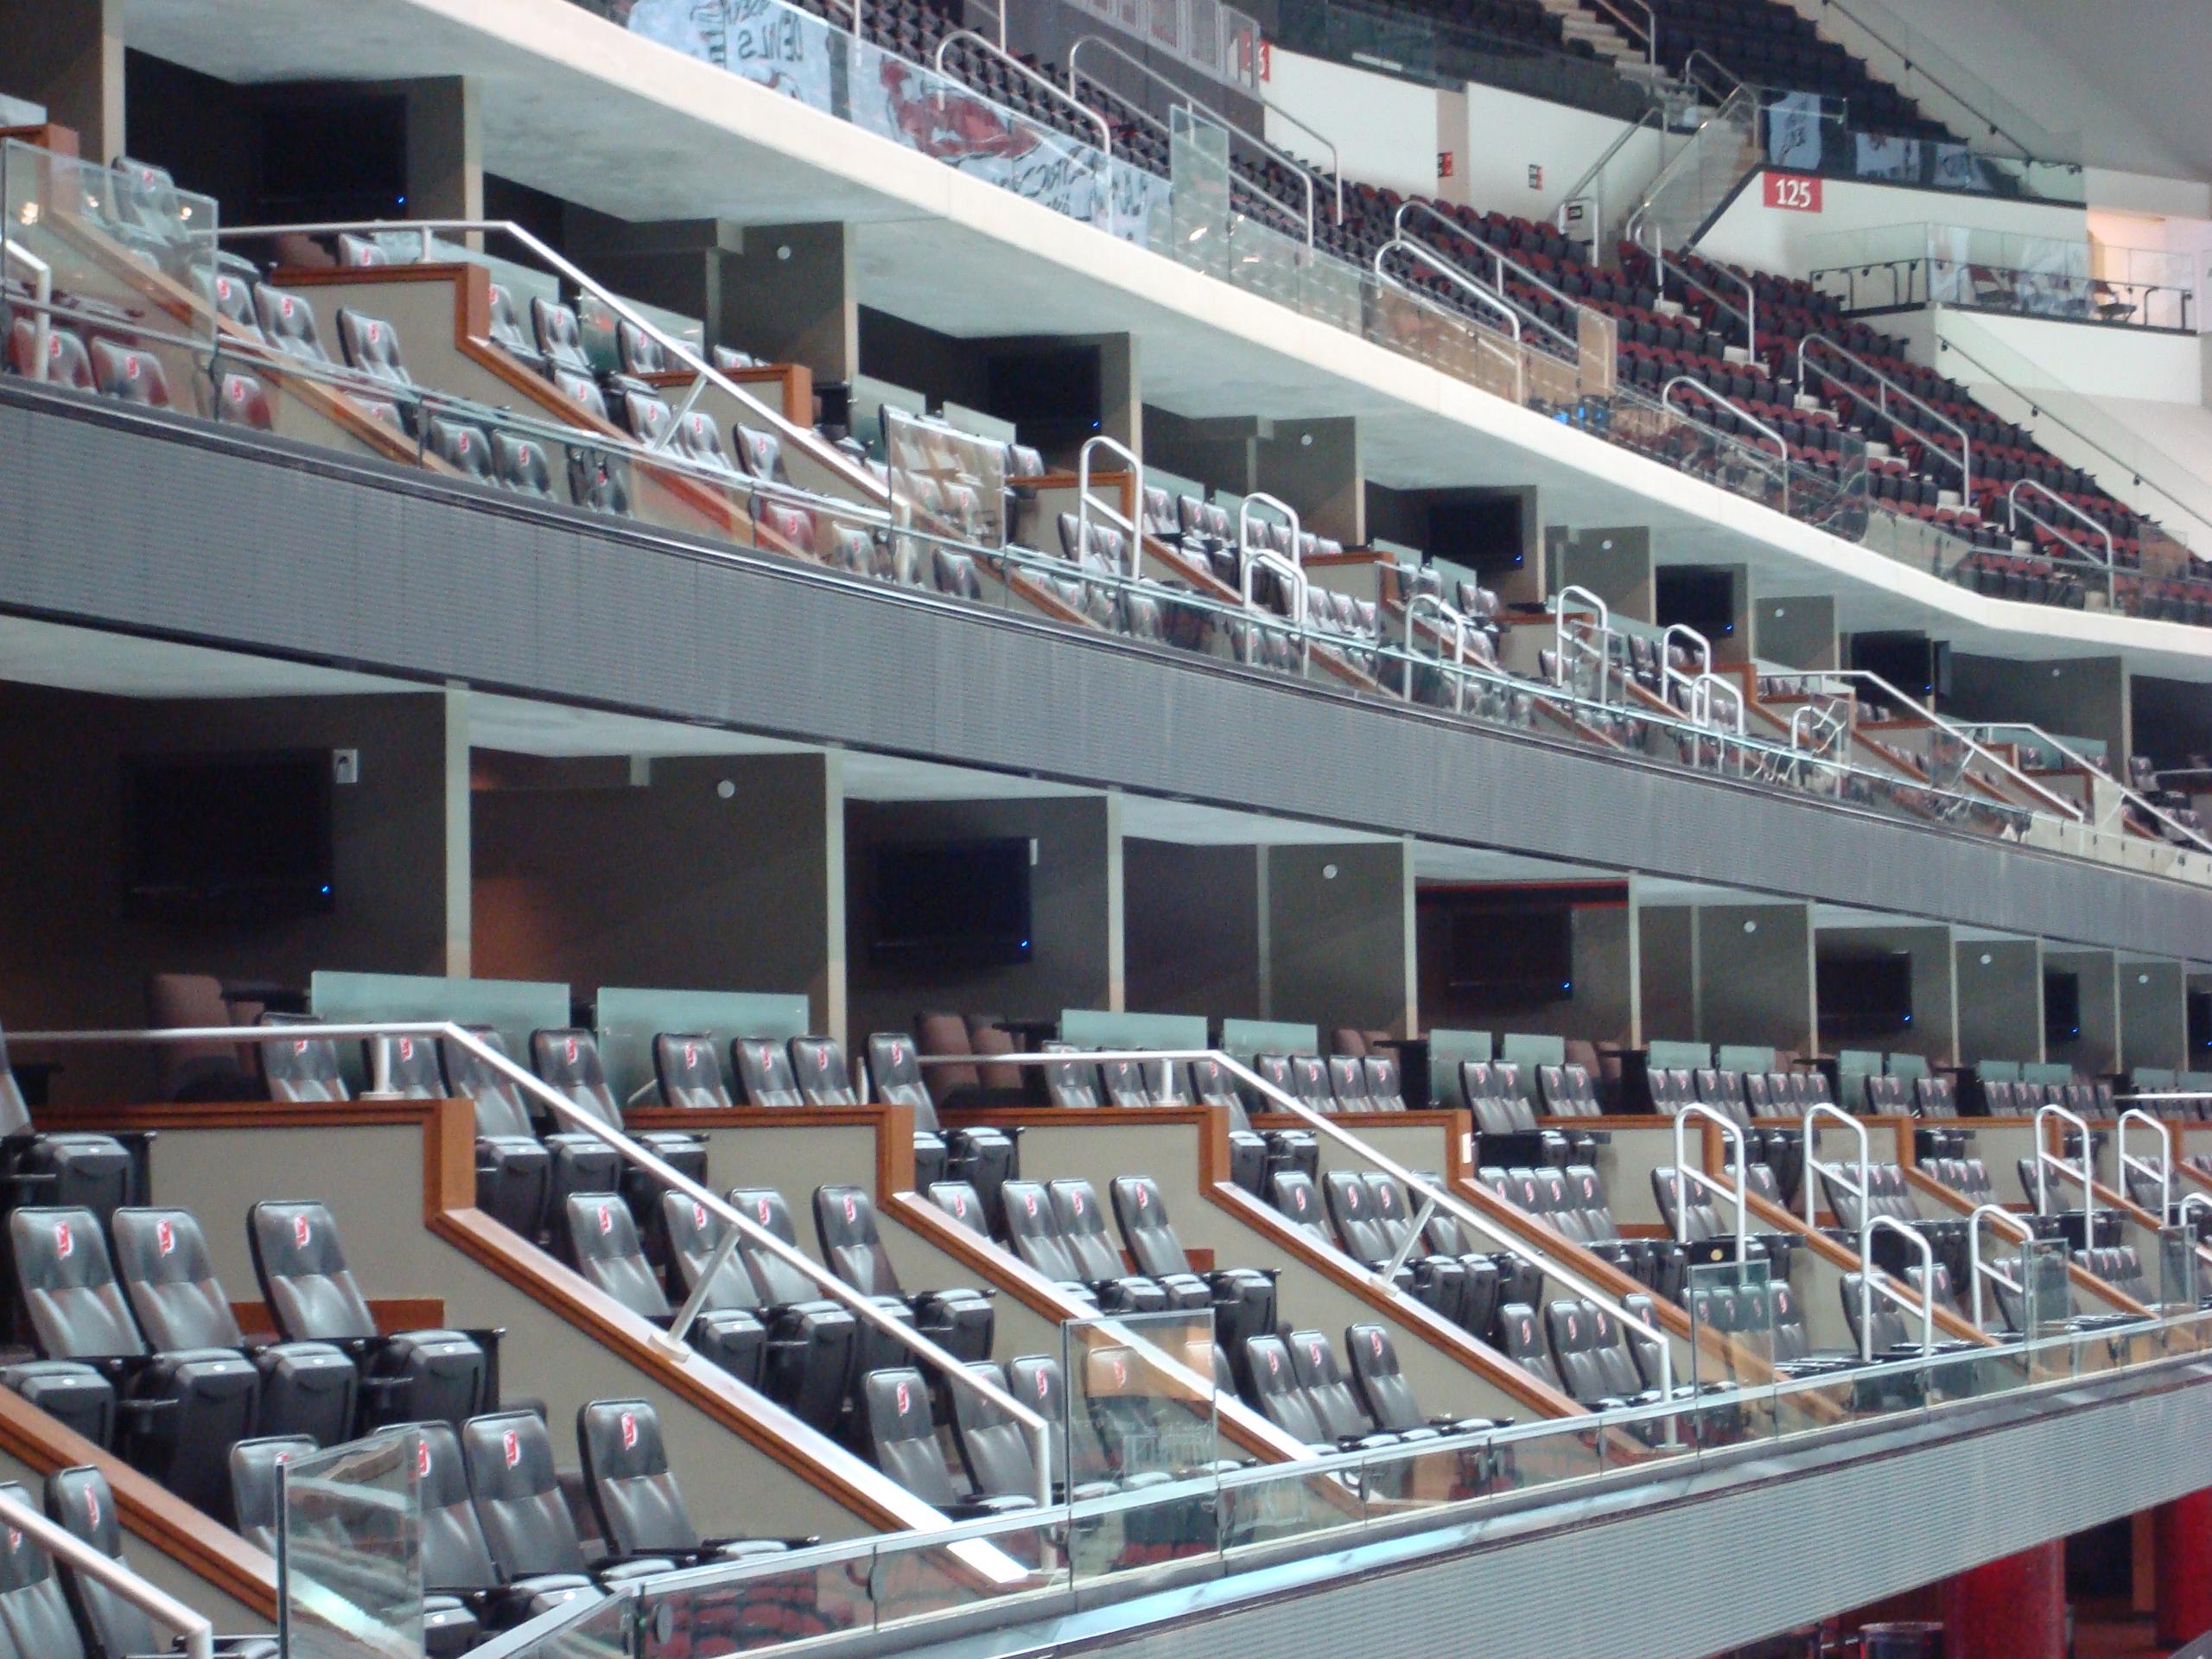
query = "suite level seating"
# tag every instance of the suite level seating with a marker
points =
(1752, 1102)
(603, 1241)
(1059, 1230)
(984, 1158)
(1242, 1298)
(2058, 1307)
(1574, 1203)
(1368, 1218)
(1300, 1388)
(1571, 1348)
(67, 1171)
(1704, 1222)
(1890, 1194)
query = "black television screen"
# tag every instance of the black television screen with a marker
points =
(1865, 996)
(228, 835)
(951, 903)
(1513, 955)
(2061, 1009)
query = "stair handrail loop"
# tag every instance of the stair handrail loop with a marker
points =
(1191, 99)
(2163, 1169)
(1963, 460)
(1701, 691)
(1732, 1133)
(1730, 83)
(1336, 157)
(1860, 1185)
(1780, 444)
(1978, 1269)
(1424, 602)
(1294, 577)
(1870, 1280)
(997, 50)
(2014, 511)
(1642, 211)
(1615, 10)
(1749, 314)
(1566, 641)
(1500, 260)
(1085, 504)
(1671, 675)
(2087, 1172)
(572, 1116)
(1482, 296)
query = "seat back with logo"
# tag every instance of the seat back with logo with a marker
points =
(78, 1500)
(1145, 1227)
(1081, 1220)
(34, 1612)
(694, 1234)
(129, 375)
(302, 1067)
(527, 1526)
(77, 1309)
(163, 1259)
(1033, 1229)
(1315, 1361)
(497, 1098)
(819, 1069)
(1380, 1381)
(688, 1071)
(897, 1075)
(764, 1072)
(560, 336)
(1385, 1087)
(844, 1218)
(902, 1435)
(1275, 1391)
(288, 323)
(640, 1507)
(1348, 1084)
(994, 1448)
(567, 1059)
(257, 1469)
(1071, 1084)
(604, 1244)
(311, 1293)
(455, 1555)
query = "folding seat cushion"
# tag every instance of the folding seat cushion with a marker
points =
(411, 1376)
(813, 1340)
(844, 1219)
(129, 375)
(634, 1493)
(73, 1170)
(302, 1067)
(818, 1068)
(1243, 1299)
(902, 1437)
(75, 1395)
(179, 1411)
(603, 1241)
(688, 1072)
(163, 1259)
(568, 1061)
(527, 1525)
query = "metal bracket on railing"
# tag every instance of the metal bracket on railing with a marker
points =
(2164, 1170)
(1862, 1185)
(2047, 1158)
(1868, 1285)
(1085, 504)
(1686, 1173)
(1386, 1275)
(1977, 1270)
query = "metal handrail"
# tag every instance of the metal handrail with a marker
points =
(703, 370)
(1563, 640)
(1616, 12)
(1193, 100)
(1293, 575)
(1721, 94)
(1671, 676)
(1261, 497)
(2128, 793)
(1978, 1269)
(1732, 1133)
(1336, 157)
(1419, 1185)
(997, 49)
(1963, 460)
(1594, 174)
(2012, 516)
(1827, 719)
(163, 1609)
(1085, 504)
(1869, 1282)
(1749, 316)
(1459, 624)
(1482, 296)
(1917, 63)
(2164, 1169)
(2066, 808)
(576, 1117)
(1500, 261)
(1642, 211)
(1862, 1187)
(1780, 444)
(2087, 1171)
(1702, 691)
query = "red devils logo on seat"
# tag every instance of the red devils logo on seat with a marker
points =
(65, 1241)
(699, 1216)
(898, 1053)
(1313, 1352)
(1044, 1384)
(510, 1447)
(92, 1506)
(606, 1218)
(960, 1205)
(850, 1212)
(1121, 1371)
(690, 1055)
(1374, 1343)
(165, 1237)
(375, 333)
(461, 446)
(1144, 1197)
(1075, 1202)
(629, 1431)
(300, 1231)
(237, 389)
(1029, 1203)
(131, 368)
(762, 1208)
(571, 1048)
(285, 304)
(422, 1459)
(407, 1048)
(904, 1397)
(1275, 1365)
(299, 1046)
(1572, 1329)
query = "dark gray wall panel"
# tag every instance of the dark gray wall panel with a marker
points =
(120, 520)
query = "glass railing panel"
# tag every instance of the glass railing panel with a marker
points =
(1531, 1458)
(1141, 1426)
(755, 1607)
(914, 1581)
(349, 1553)
(1281, 1503)
(1731, 1308)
